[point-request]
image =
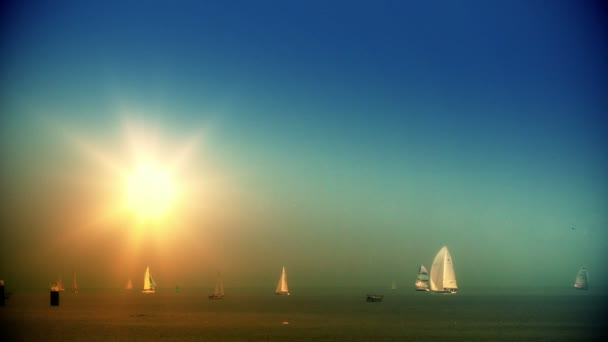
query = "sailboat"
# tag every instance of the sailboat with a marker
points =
(129, 285)
(149, 284)
(282, 288)
(422, 280)
(443, 278)
(74, 283)
(582, 279)
(59, 285)
(218, 293)
(394, 285)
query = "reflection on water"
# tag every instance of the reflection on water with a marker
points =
(310, 313)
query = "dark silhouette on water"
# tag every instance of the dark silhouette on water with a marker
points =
(374, 298)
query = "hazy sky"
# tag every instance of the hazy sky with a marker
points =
(348, 141)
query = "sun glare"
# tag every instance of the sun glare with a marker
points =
(150, 192)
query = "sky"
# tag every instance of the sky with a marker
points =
(348, 141)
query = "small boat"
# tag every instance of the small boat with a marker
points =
(129, 285)
(374, 298)
(582, 279)
(422, 280)
(218, 293)
(443, 278)
(59, 285)
(282, 288)
(74, 283)
(394, 285)
(54, 287)
(149, 283)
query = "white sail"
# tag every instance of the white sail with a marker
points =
(394, 285)
(582, 279)
(422, 280)
(218, 293)
(74, 284)
(423, 270)
(60, 285)
(129, 285)
(149, 283)
(282, 287)
(443, 278)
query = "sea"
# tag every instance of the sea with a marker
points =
(308, 314)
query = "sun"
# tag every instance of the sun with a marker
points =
(150, 192)
(148, 185)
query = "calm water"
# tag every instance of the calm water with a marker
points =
(309, 314)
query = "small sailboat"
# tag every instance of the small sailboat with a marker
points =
(74, 283)
(582, 279)
(422, 280)
(59, 285)
(394, 285)
(218, 293)
(443, 278)
(149, 283)
(282, 288)
(129, 285)
(53, 286)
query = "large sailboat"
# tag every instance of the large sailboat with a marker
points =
(218, 293)
(282, 288)
(582, 279)
(149, 283)
(443, 278)
(74, 283)
(129, 285)
(422, 280)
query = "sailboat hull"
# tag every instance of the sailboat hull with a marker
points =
(148, 291)
(216, 297)
(447, 291)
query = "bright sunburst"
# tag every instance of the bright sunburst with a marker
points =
(145, 184)
(150, 192)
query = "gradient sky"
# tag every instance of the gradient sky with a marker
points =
(348, 141)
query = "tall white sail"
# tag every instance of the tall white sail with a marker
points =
(443, 278)
(74, 284)
(422, 280)
(218, 293)
(582, 279)
(149, 284)
(282, 287)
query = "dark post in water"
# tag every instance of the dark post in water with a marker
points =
(54, 297)
(1, 292)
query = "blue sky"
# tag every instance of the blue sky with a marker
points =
(372, 133)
